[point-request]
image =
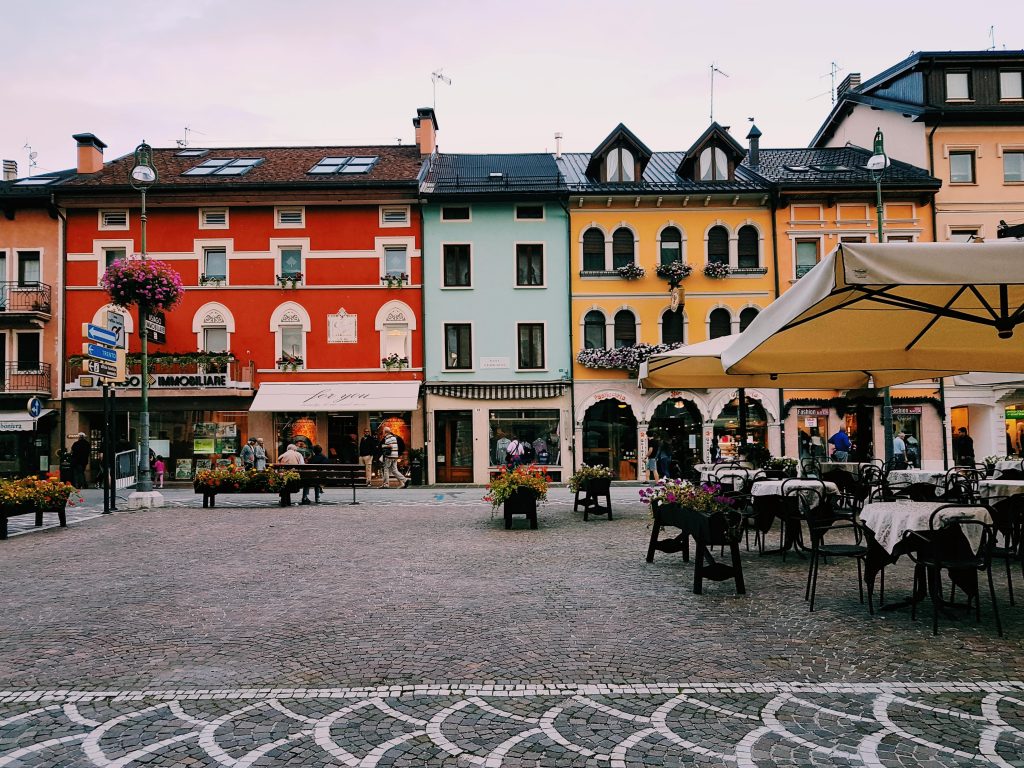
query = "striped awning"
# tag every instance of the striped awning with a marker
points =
(498, 391)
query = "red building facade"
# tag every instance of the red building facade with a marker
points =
(302, 276)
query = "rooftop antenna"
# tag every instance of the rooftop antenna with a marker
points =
(435, 77)
(992, 37)
(31, 158)
(182, 143)
(714, 69)
(833, 73)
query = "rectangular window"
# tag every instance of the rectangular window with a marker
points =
(110, 255)
(1013, 166)
(456, 266)
(215, 264)
(28, 267)
(28, 351)
(531, 346)
(394, 216)
(458, 354)
(114, 219)
(961, 167)
(529, 212)
(539, 428)
(962, 235)
(213, 218)
(395, 260)
(291, 341)
(289, 217)
(215, 339)
(1010, 85)
(671, 250)
(899, 238)
(958, 85)
(852, 239)
(455, 213)
(806, 256)
(291, 262)
(529, 264)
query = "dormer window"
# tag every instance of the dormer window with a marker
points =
(620, 165)
(714, 165)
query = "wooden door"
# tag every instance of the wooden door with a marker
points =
(453, 432)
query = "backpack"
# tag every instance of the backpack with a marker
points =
(529, 455)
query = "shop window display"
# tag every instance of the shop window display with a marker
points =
(727, 429)
(812, 433)
(610, 439)
(540, 428)
(678, 423)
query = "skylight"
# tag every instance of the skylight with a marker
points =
(35, 181)
(797, 168)
(344, 165)
(832, 167)
(196, 152)
(224, 166)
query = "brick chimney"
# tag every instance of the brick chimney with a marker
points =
(425, 123)
(850, 83)
(90, 153)
(10, 170)
(754, 156)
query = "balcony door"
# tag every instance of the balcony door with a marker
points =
(453, 433)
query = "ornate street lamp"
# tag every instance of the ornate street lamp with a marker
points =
(142, 177)
(876, 166)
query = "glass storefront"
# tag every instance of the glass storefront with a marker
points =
(609, 438)
(1014, 430)
(679, 422)
(907, 418)
(812, 433)
(540, 428)
(727, 429)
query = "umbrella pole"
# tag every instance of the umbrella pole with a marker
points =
(743, 420)
(887, 424)
(942, 422)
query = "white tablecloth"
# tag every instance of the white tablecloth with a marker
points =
(774, 487)
(904, 476)
(723, 475)
(1000, 489)
(1006, 464)
(889, 520)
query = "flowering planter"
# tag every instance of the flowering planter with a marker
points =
(589, 495)
(707, 530)
(31, 509)
(521, 502)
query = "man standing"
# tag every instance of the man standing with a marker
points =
(963, 448)
(80, 451)
(840, 442)
(368, 448)
(391, 460)
(248, 454)
(899, 452)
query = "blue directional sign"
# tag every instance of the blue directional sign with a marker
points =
(101, 335)
(35, 407)
(97, 352)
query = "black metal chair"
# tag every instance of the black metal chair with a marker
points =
(809, 467)
(1008, 518)
(792, 509)
(934, 554)
(822, 519)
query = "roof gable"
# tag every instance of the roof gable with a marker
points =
(619, 137)
(714, 136)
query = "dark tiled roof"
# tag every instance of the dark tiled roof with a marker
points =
(12, 189)
(783, 167)
(280, 166)
(659, 176)
(473, 173)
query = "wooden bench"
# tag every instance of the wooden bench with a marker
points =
(12, 511)
(326, 476)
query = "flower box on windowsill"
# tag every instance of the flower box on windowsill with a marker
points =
(289, 363)
(631, 271)
(716, 270)
(675, 272)
(394, 281)
(212, 280)
(293, 280)
(394, 362)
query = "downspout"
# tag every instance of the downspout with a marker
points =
(423, 342)
(775, 270)
(572, 344)
(62, 298)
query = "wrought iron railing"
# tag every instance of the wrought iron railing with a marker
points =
(24, 297)
(24, 376)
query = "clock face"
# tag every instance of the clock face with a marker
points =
(143, 173)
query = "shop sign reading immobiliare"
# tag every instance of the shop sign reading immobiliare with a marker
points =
(184, 381)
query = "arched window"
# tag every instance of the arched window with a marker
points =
(290, 323)
(395, 323)
(671, 245)
(718, 245)
(595, 336)
(593, 250)
(720, 323)
(213, 325)
(619, 165)
(714, 165)
(625, 328)
(749, 256)
(747, 317)
(622, 248)
(672, 327)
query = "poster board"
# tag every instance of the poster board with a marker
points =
(183, 469)
(202, 464)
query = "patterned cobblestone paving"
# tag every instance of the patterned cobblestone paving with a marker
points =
(413, 630)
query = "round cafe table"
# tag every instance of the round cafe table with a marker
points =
(1000, 489)
(768, 504)
(907, 476)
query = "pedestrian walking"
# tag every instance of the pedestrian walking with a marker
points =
(368, 448)
(159, 469)
(391, 454)
(80, 451)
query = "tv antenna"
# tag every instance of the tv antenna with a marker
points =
(992, 37)
(436, 76)
(32, 155)
(714, 70)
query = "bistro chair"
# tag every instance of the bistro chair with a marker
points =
(809, 467)
(944, 547)
(743, 503)
(962, 484)
(821, 521)
(794, 505)
(876, 463)
(1008, 518)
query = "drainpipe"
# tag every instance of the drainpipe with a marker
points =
(423, 344)
(775, 270)
(62, 314)
(931, 170)
(572, 345)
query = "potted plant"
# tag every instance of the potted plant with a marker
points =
(205, 279)
(290, 280)
(631, 271)
(596, 479)
(673, 501)
(716, 270)
(32, 495)
(395, 281)
(289, 362)
(393, 362)
(518, 491)
(990, 463)
(780, 467)
(675, 272)
(416, 457)
(151, 283)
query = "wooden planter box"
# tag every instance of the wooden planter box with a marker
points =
(706, 531)
(521, 502)
(6, 512)
(588, 497)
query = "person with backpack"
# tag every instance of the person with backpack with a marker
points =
(515, 452)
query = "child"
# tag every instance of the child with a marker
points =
(159, 468)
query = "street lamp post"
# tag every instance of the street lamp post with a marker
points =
(143, 176)
(877, 164)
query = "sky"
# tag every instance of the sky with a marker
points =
(349, 72)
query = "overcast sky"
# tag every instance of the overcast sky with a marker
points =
(266, 72)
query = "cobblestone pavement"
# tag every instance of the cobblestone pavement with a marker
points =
(413, 630)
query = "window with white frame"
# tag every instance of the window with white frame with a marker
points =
(215, 265)
(623, 248)
(291, 261)
(624, 329)
(718, 246)
(963, 234)
(28, 267)
(458, 346)
(529, 265)
(672, 327)
(620, 165)
(394, 215)
(719, 323)
(747, 317)
(714, 164)
(531, 346)
(961, 167)
(289, 217)
(671, 245)
(530, 212)
(224, 166)
(595, 333)
(455, 213)
(1013, 166)
(593, 250)
(958, 86)
(1011, 86)
(215, 338)
(111, 255)
(289, 323)
(807, 255)
(396, 260)
(748, 255)
(457, 265)
(213, 218)
(114, 219)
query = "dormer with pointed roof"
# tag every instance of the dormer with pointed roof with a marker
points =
(620, 159)
(713, 157)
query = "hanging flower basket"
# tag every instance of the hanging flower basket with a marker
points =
(631, 271)
(675, 272)
(716, 270)
(150, 283)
